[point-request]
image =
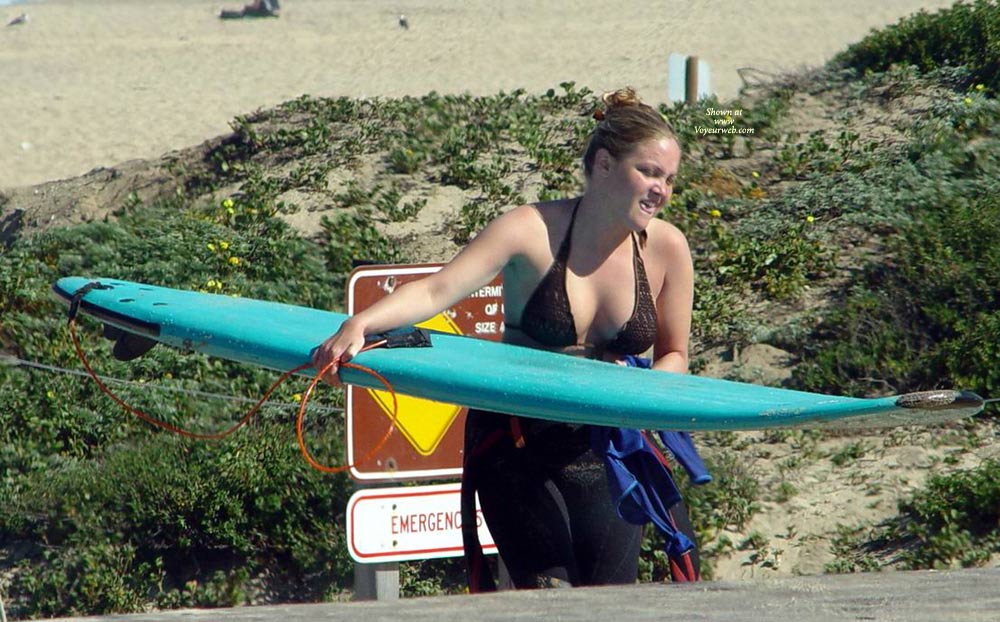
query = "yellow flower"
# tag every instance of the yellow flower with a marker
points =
(810, 219)
(715, 213)
(230, 211)
(234, 261)
(224, 245)
(211, 247)
(228, 204)
(755, 175)
(297, 397)
(968, 101)
(211, 283)
(980, 87)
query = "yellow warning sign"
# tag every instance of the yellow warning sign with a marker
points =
(423, 422)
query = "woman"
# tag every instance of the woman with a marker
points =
(598, 276)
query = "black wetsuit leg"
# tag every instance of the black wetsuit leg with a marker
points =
(547, 504)
(606, 547)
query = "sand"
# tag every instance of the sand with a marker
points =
(91, 83)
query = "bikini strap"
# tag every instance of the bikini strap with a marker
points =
(564, 248)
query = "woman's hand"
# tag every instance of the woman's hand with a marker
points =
(337, 349)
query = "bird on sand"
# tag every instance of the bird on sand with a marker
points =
(403, 22)
(20, 19)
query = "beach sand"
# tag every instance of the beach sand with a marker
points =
(91, 83)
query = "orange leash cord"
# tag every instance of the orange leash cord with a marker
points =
(302, 415)
(253, 410)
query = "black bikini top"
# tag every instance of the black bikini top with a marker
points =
(548, 319)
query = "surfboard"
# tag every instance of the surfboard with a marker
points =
(483, 374)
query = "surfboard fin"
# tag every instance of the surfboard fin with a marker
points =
(128, 346)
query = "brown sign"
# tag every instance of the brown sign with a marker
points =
(427, 442)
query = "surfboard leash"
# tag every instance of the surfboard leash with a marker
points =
(151, 420)
(305, 399)
(213, 436)
(401, 338)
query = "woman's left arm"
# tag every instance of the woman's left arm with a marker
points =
(675, 300)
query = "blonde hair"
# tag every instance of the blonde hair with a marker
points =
(624, 123)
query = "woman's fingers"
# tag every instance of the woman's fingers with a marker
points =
(326, 360)
(334, 352)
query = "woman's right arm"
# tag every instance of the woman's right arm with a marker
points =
(476, 265)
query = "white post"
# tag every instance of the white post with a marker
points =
(376, 581)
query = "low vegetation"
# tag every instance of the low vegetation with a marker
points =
(869, 252)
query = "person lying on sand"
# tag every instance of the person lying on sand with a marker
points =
(257, 8)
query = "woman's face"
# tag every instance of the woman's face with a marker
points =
(642, 181)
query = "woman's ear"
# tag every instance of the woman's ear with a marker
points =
(603, 162)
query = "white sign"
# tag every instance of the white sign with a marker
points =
(417, 522)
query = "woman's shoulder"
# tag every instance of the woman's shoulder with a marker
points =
(536, 217)
(514, 230)
(665, 237)
(667, 253)
(529, 230)
(550, 209)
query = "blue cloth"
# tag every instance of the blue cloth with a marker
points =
(682, 448)
(642, 488)
(680, 444)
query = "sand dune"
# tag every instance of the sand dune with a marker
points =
(96, 82)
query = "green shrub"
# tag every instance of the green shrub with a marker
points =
(927, 316)
(82, 580)
(350, 237)
(955, 519)
(119, 515)
(173, 511)
(963, 34)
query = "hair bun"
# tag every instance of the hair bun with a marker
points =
(625, 97)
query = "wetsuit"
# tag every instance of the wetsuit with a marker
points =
(543, 492)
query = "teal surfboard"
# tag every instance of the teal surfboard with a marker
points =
(490, 375)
